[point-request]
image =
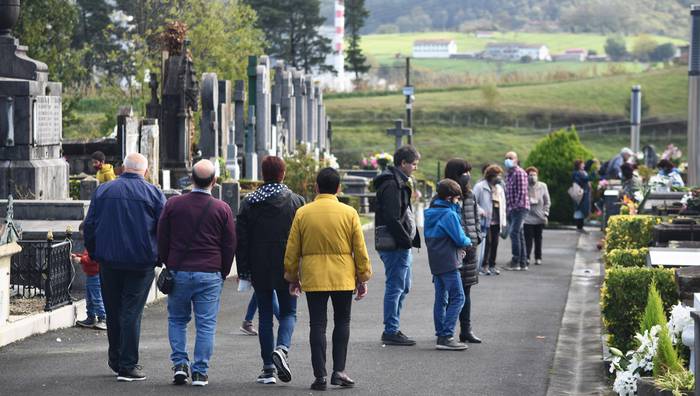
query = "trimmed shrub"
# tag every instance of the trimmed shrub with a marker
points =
(626, 257)
(554, 156)
(629, 232)
(654, 310)
(624, 296)
(666, 360)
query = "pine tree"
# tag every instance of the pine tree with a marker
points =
(355, 17)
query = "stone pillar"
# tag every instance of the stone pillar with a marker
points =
(150, 148)
(208, 126)
(263, 116)
(6, 253)
(216, 191)
(278, 127)
(311, 114)
(231, 194)
(251, 156)
(299, 82)
(127, 132)
(694, 101)
(321, 124)
(87, 188)
(288, 109)
(237, 140)
(225, 128)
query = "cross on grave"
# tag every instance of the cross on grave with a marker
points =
(399, 132)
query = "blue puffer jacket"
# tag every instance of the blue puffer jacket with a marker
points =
(120, 227)
(444, 237)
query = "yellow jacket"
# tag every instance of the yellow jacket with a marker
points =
(106, 173)
(327, 239)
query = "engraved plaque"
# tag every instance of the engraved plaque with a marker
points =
(47, 120)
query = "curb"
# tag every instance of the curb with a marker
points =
(43, 322)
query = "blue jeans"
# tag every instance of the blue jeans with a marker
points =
(253, 306)
(482, 246)
(397, 269)
(449, 299)
(286, 313)
(199, 292)
(93, 297)
(516, 218)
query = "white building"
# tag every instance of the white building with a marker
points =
(516, 52)
(572, 55)
(441, 48)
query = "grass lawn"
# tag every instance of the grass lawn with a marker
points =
(386, 46)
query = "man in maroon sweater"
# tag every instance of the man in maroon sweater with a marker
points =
(196, 241)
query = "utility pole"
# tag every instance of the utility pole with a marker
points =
(408, 92)
(694, 106)
(635, 118)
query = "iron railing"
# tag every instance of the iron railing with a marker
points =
(43, 268)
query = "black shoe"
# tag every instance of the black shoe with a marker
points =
(342, 379)
(267, 377)
(180, 374)
(319, 384)
(397, 339)
(279, 358)
(469, 337)
(89, 322)
(199, 379)
(133, 374)
(512, 267)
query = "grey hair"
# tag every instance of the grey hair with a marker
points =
(136, 161)
(627, 151)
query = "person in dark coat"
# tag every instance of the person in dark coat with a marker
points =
(459, 171)
(583, 208)
(263, 225)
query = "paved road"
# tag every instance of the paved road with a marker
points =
(517, 314)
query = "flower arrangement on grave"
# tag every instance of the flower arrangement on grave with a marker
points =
(629, 206)
(377, 161)
(691, 201)
(673, 154)
(330, 160)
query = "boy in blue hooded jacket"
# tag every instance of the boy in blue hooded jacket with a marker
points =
(446, 241)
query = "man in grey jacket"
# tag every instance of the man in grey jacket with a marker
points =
(538, 215)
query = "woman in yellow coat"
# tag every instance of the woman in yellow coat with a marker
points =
(326, 257)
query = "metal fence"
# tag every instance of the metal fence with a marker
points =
(43, 268)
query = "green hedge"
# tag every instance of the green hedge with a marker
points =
(554, 156)
(629, 232)
(74, 189)
(627, 257)
(624, 296)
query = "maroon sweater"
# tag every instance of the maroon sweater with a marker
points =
(211, 249)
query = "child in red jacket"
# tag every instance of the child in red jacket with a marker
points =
(96, 317)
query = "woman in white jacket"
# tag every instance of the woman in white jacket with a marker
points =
(491, 198)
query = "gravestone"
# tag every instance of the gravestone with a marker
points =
(128, 138)
(149, 146)
(263, 116)
(225, 119)
(153, 107)
(231, 194)
(87, 188)
(237, 131)
(31, 164)
(251, 156)
(288, 109)
(398, 131)
(208, 126)
(650, 157)
(299, 82)
(216, 191)
(321, 124)
(311, 114)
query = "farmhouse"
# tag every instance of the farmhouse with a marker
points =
(439, 48)
(572, 55)
(516, 51)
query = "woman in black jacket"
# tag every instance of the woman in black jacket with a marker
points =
(459, 171)
(263, 225)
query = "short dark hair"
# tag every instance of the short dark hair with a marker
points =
(627, 169)
(99, 156)
(493, 171)
(273, 169)
(328, 181)
(456, 167)
(202, 182)
(407, 154)
(485, 167)
(577, 163)
(448, 188)
(665, 164)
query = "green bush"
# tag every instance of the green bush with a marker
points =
(301, 173)
(654, 310)
(554, 156)
(666, 359)
(629, 232)
(74, 189)
(627, 257)
(624, 296)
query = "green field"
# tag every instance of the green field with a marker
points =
(387, 46)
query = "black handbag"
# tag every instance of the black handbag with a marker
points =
(383, 240)
(165, 282)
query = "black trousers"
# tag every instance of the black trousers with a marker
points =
(533, 233)
(318, 302)
(465, 321)
(491, 248)
(124, 294)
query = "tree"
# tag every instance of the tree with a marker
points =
(663, 53)
(643, 46)
(355, 16)
(616, 48)
(291, 28)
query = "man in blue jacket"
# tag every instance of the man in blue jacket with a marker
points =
(446, 241)
(120, 234)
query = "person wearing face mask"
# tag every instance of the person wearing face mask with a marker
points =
(583, 208)
(458, 170)
(490, 197)
(105, 171)
(538, 215)
(518, 206)
(446, 242)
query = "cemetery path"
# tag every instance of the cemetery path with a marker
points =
(517, 314)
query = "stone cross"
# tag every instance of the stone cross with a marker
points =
(299, 82)
(208, 137)
(399, 132)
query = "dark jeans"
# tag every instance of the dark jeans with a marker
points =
(465, 315)
(516, 219)
(124, 293)
(318, 302)
(282, 305)
(253, 306)
(533, 232)
(491, 248)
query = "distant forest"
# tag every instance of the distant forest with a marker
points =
(664, 17)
